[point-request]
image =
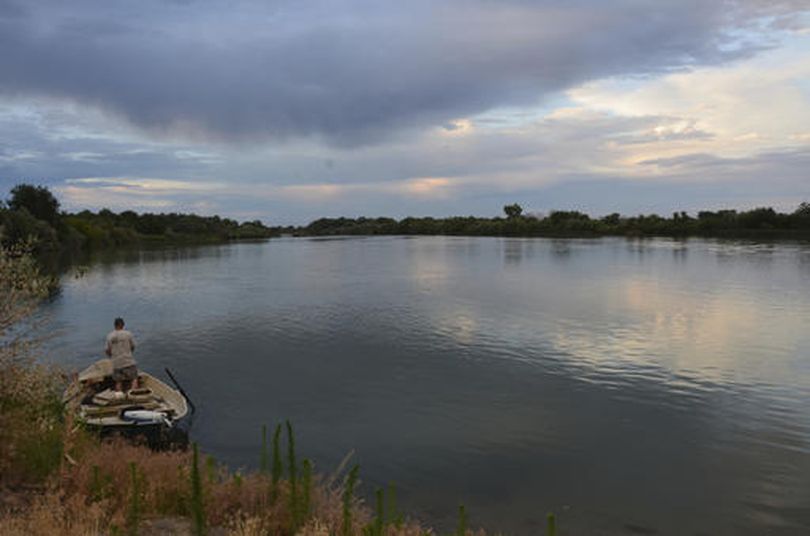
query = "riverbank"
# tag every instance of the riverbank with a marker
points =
(757, 224)
(32, 213)
(114, 487)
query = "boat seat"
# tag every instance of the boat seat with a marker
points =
(101, 411)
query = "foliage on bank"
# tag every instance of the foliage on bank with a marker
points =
(33, 211)
(30, 407)
(756, 223)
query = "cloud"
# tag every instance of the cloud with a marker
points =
(360, 108)
(754, 105)
(348, 71)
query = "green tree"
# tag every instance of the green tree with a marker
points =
(513, 211)
(37, 200)
(18, 226)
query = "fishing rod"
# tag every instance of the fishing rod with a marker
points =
(180, 388)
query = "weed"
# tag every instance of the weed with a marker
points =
(263, 461)
(348, 494)
(291, 468)
(379, 520)
(197, 513)
(393, 514)
(211, 469)
(278, 468)
(461, 529)
(100, 484)
(306, 484)
(134, 509)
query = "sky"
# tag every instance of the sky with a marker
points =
(287, 111)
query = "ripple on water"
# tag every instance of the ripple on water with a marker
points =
(621, 383)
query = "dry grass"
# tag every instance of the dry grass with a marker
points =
(53, 513)
(95, 497)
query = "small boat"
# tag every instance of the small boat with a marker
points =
(152, 410)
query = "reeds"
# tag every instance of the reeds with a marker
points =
(348, 495)
(306, 496)
(134, 509)
(197, 507)
(292, 473)
(278, 468)
(394, 514)
(461, 528)
(263, 458)
(551, 522)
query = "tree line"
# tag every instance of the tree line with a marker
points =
(756, 223)
(34, 213)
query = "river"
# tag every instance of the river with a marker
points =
(630, 386)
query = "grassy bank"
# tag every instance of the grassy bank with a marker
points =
(70, 482)
(114, 487)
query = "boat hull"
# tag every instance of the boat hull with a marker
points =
(107, 416)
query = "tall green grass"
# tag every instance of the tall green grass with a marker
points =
(551, 528)
(348, 495)
(394, 514)
(278, 468)
(197, 506)
(306, 495)
(292, 473)
(263, 457)
(461, 528)
(133, 520)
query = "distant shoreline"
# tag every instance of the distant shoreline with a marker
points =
(756, 224)
(753, 236)
(32, 212)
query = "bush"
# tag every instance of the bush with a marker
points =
(30, 408)
(20, 226)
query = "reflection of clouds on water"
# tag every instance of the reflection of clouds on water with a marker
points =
(536, 365)
(460, 324)
(724, 335)
(625, 307)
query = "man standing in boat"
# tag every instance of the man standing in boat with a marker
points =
(120, 345)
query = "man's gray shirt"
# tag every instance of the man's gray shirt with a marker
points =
(120, 344)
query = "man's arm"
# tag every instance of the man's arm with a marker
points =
(108, 347)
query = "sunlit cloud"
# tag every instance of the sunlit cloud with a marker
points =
(135, 194)
(459, 127)
(427, 186)
(745, 108)
(145, 184)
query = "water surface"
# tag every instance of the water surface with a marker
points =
(633, 387)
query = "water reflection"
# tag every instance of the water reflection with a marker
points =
(561, 249)
(617, 382)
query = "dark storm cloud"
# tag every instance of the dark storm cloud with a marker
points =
(348, 70)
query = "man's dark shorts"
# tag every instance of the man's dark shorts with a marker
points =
(126, 374)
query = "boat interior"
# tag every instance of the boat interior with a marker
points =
(98, 403)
